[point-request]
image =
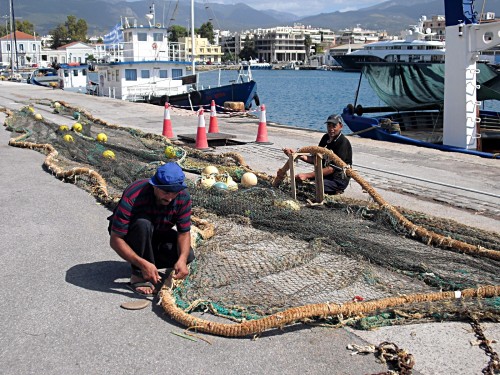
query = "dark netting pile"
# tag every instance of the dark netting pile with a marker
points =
(267, 253)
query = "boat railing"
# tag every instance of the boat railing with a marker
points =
(140, 92)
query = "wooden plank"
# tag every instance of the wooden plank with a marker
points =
(318, 180)
(291, 164)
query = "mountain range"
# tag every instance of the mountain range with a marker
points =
(101, 15)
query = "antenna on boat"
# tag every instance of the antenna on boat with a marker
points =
(151, 15)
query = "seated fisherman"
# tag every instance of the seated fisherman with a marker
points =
(335, 180)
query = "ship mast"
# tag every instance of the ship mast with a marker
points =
(465, 39)
(192, 39)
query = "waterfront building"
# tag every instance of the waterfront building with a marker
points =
(204, 51)
(278, 44)
(27, 53)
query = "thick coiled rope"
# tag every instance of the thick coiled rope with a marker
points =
(320, 310)
(427, 236)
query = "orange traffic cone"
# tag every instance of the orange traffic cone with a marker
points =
(262, 132)
(214, 126)
(201, 134)
(167, 123)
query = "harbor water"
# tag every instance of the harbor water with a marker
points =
(305, 98)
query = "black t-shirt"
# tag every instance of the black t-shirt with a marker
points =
(342, 148)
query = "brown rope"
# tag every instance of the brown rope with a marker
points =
(429, 237)
(320, 310)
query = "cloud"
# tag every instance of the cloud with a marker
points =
(305, 8)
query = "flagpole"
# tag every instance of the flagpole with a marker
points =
(192, 38)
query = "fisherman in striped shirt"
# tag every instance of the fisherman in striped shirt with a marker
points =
(141, 227)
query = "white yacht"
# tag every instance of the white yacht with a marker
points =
(416, 45)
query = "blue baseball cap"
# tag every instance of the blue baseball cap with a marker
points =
(169, 177)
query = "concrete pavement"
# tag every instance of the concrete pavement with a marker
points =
(63, 284)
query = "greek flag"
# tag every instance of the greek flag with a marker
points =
(115, 36)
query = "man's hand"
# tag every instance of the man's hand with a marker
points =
(150, 272)
(301, 177)
(288, 151)
(180, 270)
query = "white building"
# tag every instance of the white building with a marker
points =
(28, 49)
(76, 52)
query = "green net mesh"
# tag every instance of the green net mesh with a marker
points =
(267, 255)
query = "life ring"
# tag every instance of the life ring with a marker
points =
(256, 99)
(155, 46)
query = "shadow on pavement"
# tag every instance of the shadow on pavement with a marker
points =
(101, 277)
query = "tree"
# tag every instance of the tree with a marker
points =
(248, 52)
(228, 56)
(307, 45)
(72, 30)
(175, 32)
(59, 36)
(206, 30)
(25, 26)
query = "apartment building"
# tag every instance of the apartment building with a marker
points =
(204, 51)
(279, 44)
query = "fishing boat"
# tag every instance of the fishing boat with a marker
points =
(415, 45)
(437, 105)
(47, 77)
(144, 66)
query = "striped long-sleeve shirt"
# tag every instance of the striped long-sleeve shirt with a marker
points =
(138, 200)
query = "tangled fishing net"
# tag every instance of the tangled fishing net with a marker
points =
(264, 260)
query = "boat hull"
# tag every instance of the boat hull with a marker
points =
(370, 127)
(47, 77)
(354, 63)
(245, 92)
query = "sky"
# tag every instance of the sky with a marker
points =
(304, 7)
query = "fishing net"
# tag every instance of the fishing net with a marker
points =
(265, 260)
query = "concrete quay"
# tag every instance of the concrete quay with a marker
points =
(63, 285)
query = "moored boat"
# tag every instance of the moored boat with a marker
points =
(47, 77)
(436, 105)
(416, 45)
(147, 67)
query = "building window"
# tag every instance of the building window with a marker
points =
(142, 37)
(34, 47)
(117, 75)
(130, 74)
(158, 37)
(21, 47)
(8, 47)
(163, 73)
(145, 74)
(176, 73)
(75, 72)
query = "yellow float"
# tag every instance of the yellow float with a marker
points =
(68, 138)
(101, 137)
(38, 116)
(77, 127)
(108, 154)
(170, 152)
(63, 128)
